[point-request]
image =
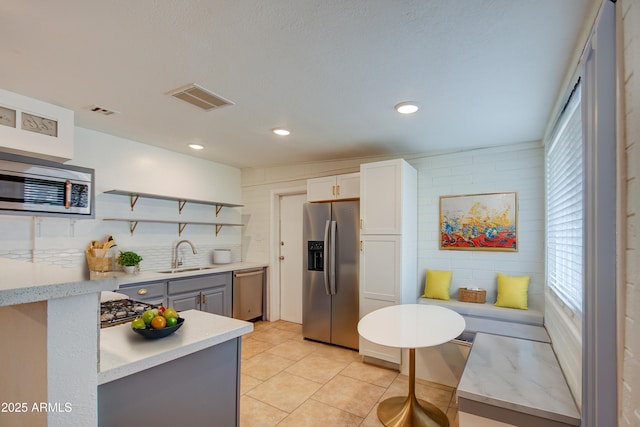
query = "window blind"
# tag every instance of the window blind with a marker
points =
(564, 216)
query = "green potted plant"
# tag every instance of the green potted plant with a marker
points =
(129, 261)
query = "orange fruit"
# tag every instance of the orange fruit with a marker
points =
(158, 322)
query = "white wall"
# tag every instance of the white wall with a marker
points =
(512, 168)
(630, 387)
(129, 165)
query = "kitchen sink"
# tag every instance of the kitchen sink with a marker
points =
(185, 269)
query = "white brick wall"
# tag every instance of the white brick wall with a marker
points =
(518, 168)
(630, 398)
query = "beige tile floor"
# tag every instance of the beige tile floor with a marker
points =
(289, 381)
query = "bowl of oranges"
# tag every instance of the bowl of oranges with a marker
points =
(157, 323)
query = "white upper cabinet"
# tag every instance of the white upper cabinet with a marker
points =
(382, 188)
(35, 128)
(337, 187)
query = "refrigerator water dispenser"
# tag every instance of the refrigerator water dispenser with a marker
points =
(315, 255)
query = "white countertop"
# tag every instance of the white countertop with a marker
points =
(124, 352)
(123, 278)
(520, 375)
(23, 282)
(411, 325)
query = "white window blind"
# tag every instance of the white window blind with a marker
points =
(564, 186)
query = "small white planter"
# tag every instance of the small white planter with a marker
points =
(130, 269)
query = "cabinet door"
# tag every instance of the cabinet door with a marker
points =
(380, 275)
(150, 293)
(348, 186)
(320, 189)
(185, 301)
(215, 301)
(377, 351)
(381, 197)
(380, 268)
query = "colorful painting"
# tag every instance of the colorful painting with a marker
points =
(486, 222)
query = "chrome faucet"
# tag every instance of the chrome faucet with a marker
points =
(177, 261)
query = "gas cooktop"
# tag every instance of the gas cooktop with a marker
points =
(121, 311)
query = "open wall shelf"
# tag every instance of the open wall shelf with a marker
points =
(182, 201)
(133, 199)
(133, 223)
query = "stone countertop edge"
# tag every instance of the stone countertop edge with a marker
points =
(26, 282)
(123, 352)
(519, 375)
(151, 276)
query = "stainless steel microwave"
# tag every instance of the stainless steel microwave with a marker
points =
(31, 186)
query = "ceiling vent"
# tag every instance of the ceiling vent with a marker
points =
(102, 110)
(199, 97)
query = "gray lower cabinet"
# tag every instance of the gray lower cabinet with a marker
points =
(200, 389)
(151, 292)
(210, 293)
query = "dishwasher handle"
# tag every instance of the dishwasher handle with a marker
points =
(247, 273)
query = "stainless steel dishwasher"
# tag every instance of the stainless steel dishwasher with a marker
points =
(248, 292)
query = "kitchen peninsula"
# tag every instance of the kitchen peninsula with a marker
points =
(49, 331)
(61, 358)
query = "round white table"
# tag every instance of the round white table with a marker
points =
(411, 326)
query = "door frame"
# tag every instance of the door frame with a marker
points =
(273, 311)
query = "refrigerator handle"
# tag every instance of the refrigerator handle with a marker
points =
(326, 258)
(332, 271)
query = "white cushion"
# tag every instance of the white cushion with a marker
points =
(490, 311)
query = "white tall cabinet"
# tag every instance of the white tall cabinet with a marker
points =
(388, 248)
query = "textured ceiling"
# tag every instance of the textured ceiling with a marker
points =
(485, 72)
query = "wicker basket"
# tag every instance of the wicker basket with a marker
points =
(468, 295)
(97, 263)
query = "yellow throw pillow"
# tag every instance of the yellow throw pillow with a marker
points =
(512, 291)
(436, 284)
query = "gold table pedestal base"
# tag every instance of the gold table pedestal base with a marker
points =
(406, 411)
(410, 411)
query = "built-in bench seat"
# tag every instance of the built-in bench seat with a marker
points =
(514, 381)
(512, 322)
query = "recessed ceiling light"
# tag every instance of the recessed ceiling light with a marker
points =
(281, 131)
(407, 107)
(196, 146)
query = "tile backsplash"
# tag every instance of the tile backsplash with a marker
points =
(153, 257)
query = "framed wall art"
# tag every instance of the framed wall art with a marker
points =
(479, 222)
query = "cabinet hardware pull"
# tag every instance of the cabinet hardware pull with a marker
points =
(333, 190)
(198, 299)
(337, 190)
(204, 298)
(142, 291)
(361, 246)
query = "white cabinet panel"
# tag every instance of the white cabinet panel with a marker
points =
(380, 267)
(348, 186)
(336, 187)
(381, 197)
(319, 189)
(370, 349)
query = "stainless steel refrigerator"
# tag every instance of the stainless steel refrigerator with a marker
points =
(330, 293)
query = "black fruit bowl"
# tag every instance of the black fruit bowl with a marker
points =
(159, 333)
